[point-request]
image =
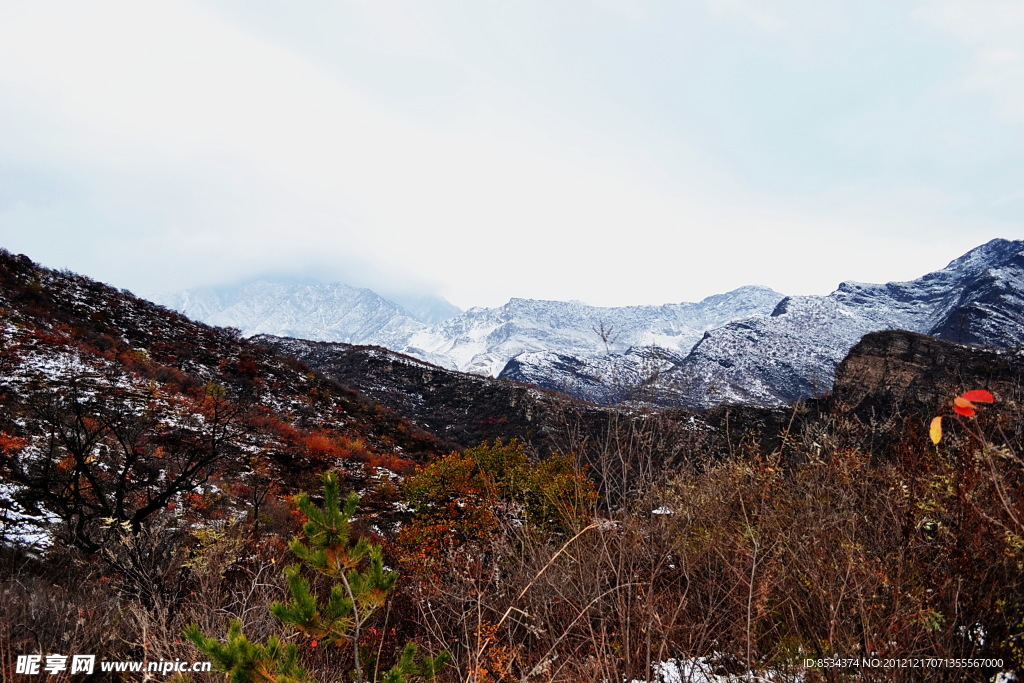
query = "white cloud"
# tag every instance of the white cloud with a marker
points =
(188, 146)
(634, 10)
(994, 32)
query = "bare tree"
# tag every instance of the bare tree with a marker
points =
(607, 334)
(107, 454)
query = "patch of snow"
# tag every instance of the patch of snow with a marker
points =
(702, 670)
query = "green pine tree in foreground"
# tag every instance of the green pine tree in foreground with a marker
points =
(361, 586)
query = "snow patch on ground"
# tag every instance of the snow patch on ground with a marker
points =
(708, 670)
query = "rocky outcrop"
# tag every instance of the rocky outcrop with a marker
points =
(909, 372)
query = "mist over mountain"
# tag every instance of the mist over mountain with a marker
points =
(321, 312)
(426, 308)
(750, 345)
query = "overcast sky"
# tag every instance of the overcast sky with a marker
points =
(611, 151)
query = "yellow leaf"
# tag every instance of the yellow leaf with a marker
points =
(936, 430)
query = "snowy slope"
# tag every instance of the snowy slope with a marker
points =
(481, 340)
(793, 352)
(484, 340)
(605, 379)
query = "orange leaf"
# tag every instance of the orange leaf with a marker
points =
(936, 430)
(961, 406)
(979, 396)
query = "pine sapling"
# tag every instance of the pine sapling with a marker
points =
(361, 586)
(243, 661)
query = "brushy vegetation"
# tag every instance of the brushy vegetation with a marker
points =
(758, 560)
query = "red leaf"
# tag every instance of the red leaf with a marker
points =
(966, 411)
(979, 396)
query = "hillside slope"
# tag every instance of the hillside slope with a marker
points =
(113, 408)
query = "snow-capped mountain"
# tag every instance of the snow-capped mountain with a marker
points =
(604, 379)
(321, 312)
(750, 345)
(480, 340)
(484, 340)
(793, 352)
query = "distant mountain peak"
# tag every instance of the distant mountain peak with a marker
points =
(981, 257)
(793, 353)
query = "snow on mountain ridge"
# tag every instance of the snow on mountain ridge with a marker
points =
(484, 340)
(748, 345)
(480, 340)
(793, 353)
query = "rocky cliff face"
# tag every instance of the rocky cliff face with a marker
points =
(989, 310)
(887, 390)
(900, 370)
